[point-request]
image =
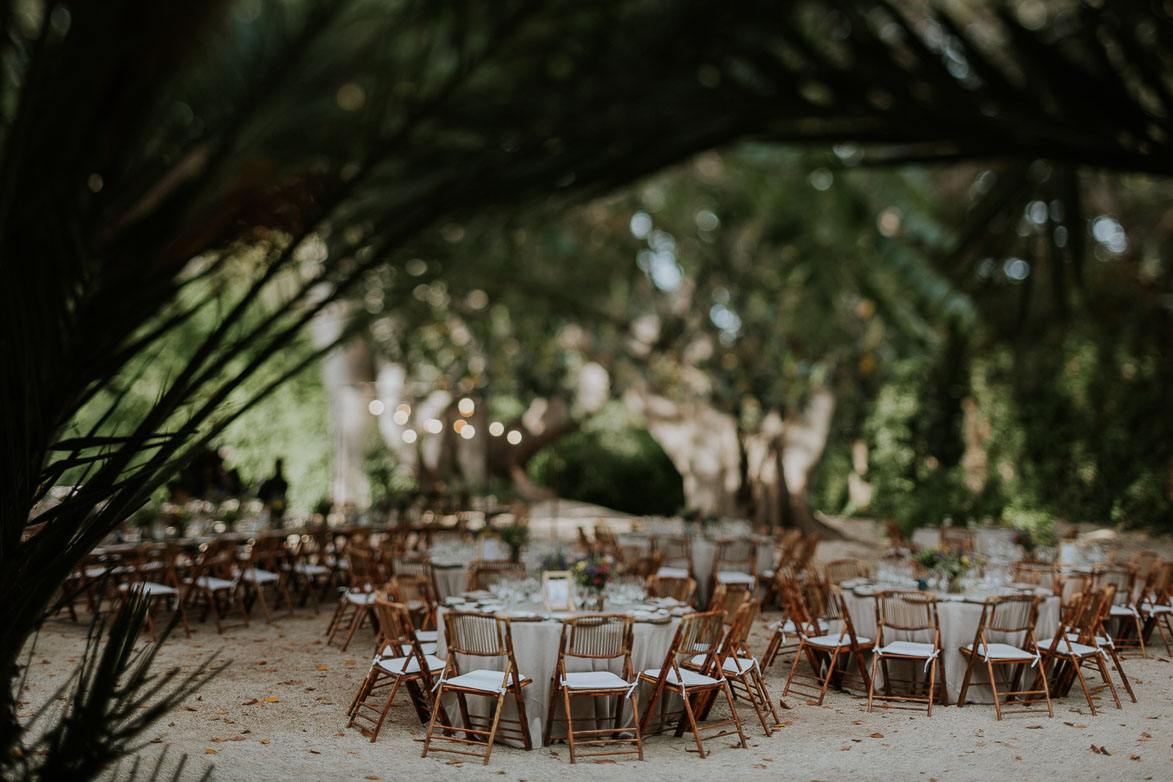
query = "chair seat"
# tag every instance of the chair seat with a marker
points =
(1101, 640)
(837, 641)
(483, 680)
(908, 649)
(429, 647)
(1068, 647)
(1156, 608)
(307, 570)
(258, 576)
(213, 584)
(427, 635)
(672, 572)
(1122, 611)
(789, 628)
(360, 598)
(400, 666)
(691, 678)
(594, 680)
(149, 588)
(733, 577)
(738, 665)
(1001, 652)
(766, 575)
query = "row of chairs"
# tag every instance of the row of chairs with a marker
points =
(708, 658)
(222, 577)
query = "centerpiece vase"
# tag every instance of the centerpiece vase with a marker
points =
(955, 585)
(594, 600)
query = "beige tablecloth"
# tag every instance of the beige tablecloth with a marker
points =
(959, 622)
(704, 552)
(535, 646)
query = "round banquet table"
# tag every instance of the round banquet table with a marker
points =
(958, 616)
(450, 579)
(535, 647)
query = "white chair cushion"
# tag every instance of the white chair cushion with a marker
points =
(258, 576)
(766, 574)
(1156, 608)
(691, 678)
(149, 588)
(480, 679)
(1002, 652)
(1066, 646)
(789, 628)
(835, 641)
(1101, 640)
(212, 584)
(908, 649)
(1122, 611)
(738, 665)
(409, 665)
(310, 570)
(430, 647)
(361, 598)
(594, 680)
(427, 635)
(733, 577)
(672, 572)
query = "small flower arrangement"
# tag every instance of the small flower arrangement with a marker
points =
(593, 572)
(947, 561)
(514, 535)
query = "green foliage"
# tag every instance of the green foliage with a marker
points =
(393, 485)
(613, 464)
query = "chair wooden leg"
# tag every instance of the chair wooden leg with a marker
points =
(436, 709)
(555, 691)
(736, 719)
(569, 722)
(493, 730)
(523, 720)
(994, 688)
(970, 660)
(696, 734)
(872, 683)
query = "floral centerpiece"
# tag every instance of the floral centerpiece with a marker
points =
(592, 574)
(951, 563)
(514, 535)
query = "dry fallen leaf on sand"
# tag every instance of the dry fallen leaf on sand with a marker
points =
(272, 700)
(876, 735)
(209, 752)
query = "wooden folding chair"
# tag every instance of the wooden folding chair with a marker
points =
(399, 661)
(742, 670)
(638, 560)
(310, 567)
(680, 589)
(354, 605)
(675, 556)
(1041, 574)
(483, 573)
(903, 620)
(606, 541)
(1123, 610)
(698, 634)
(415, 592)
(605, 637)
(264, 569)
(957, 539)
(1146, 563)
(1005, 637)
(1156, 604)
(1075, 645)
(840, 570)
(477, 635)
(213, 581)
(823, 650)
(795, 620)
(736, 562)
(728, 599)
(154, 573)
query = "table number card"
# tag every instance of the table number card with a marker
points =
(558, 590)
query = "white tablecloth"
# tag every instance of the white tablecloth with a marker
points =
(959, 622)
(535, 646)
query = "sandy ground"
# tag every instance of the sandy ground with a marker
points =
(277, 712)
